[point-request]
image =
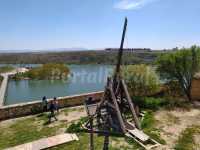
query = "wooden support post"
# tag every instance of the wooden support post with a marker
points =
(136, 120)
(106, 142)
(91, 134)
(117, 109)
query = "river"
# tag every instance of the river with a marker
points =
(83, 79)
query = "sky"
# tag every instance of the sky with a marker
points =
(97, 24)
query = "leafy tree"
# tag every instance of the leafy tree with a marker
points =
(5, 69)
(181, 65)
(49, 71)
(141, 79)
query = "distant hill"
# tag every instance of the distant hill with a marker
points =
(76, 57)
(43, 50)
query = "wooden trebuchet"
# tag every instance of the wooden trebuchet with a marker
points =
(116, 111)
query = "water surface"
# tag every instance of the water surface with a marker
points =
(83, 79)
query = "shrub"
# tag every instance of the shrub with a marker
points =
(186, 139)
(77, 127)
(46, 71)
(177, 103)
(181, 65)
(150, 102)
(5, 69)
(141, 80)
(173, 89)
(1, 78)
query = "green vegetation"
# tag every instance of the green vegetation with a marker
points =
(5, 69)
(26, 130)
(148, 125)
(46, 71)
(181, 65)
(77, 126)
(187, 140)
(116, 143)
(150, 102)
(23, 130)
(77, 57)
(141, 80)
(1, 79)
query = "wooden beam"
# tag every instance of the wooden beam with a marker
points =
(119, 116)
(136, 120)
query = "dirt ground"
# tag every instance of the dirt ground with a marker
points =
(170, 123)
(65, 115)
(173, 123)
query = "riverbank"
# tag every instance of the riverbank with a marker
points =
(3, 88)
(4, 84)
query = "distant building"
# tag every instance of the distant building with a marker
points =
(134, 50)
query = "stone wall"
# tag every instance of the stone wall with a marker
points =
(30, 108)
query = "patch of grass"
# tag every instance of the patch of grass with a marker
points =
(77, 126)
(172, 119)
(26, 130)
(68, 110)
(150, 102)
(134, 144)
(33, 128)
(173, 103)
(116, 143)
(186, 139)
(148, 126)
(5, 69)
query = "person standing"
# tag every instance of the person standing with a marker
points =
(44, 104)
(56, 104)
(52, 109)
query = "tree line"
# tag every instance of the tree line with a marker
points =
(78, 57)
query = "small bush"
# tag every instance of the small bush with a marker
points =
(5, 69)
(77, 127)
(1, 79)
(186, 140)
(150, 102)
(177, 103)
(173, 89)
(141, 80)
(49, 71)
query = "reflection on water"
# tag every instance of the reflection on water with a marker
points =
(84, 78)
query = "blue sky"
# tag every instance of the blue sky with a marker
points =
(48, 24)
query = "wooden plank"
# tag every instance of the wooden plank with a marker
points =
(46, 142)
(146, 146)
(139, 134)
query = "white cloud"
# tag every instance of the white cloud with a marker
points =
(132, 4)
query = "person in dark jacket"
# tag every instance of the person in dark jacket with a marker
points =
(56, 104)
(44, 104)
(52, 109)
